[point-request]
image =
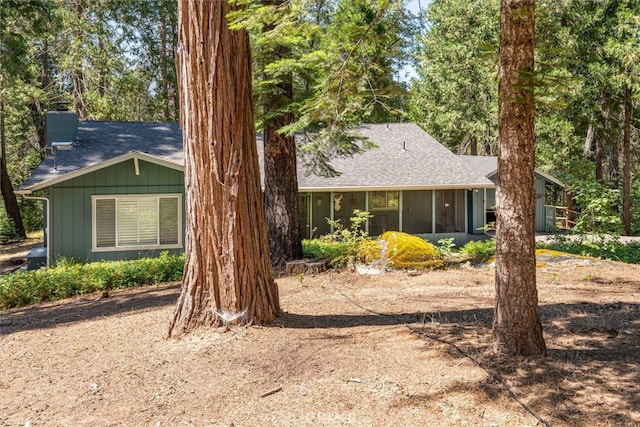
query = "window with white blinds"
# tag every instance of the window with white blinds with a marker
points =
(136, 222)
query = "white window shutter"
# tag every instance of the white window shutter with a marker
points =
(168, 221)
(105, 223)
(148, 221)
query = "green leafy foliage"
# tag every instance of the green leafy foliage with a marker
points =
(325, 249)
(7, 229)
(351, 238)
(455, 98)
(71, 278)
(585, 73)
(635, 209)
(598, 208)
(446, 246)
(326, 67)
(479, 250)
(345, 246)
(598, 246)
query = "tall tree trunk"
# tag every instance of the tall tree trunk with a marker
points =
(101, 68)
(598, 160)
(8, 196)
(588, 141)
(227, 275)
(280, 175)
(164, 77)
(281, 193)
(614, 162)
(516, 325)
(626, 165)
(173, 25)
(473, 146)
(35, 107)
(79, 86)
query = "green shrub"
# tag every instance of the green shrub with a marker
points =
(597, 205)
(479, 250)
(69, 279)
(32, 215)
(344, 246)
(7, 229)
(595, 246)
(446, 246)
(407, 251)
(324, 249)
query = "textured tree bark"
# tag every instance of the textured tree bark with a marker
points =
(588, 141)
(281, 193)
(614, 161)
(227, 276)
(598, 160)
(280, 172)
(516, 325)
(626, 165)
(6, 188)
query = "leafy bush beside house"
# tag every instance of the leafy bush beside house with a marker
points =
(69, 279)
(342, 247)
(595, 246)
(479, 251)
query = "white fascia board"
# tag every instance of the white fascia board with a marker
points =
(546, 176)
(550, 178)
(398, 188)
(123, 158)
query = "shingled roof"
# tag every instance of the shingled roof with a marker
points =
(488, 166)
(406, 157)
(101, 144)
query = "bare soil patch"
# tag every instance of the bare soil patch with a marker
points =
(18, 249)
(14, 255)
(389, 349)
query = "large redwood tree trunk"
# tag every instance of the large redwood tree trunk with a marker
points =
(281, 193)
(516, 326)
(227, 276)
(280, 165)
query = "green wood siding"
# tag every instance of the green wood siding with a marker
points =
(71, 212)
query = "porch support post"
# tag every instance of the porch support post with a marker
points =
(331, 209)
(433, 213)
(366, 208)
(400, 203)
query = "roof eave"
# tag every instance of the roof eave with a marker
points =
(101, 165)
(399, 187)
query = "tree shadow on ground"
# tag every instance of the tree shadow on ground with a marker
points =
(87, 308)
(593, 364)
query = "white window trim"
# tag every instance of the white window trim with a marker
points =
(94, 237)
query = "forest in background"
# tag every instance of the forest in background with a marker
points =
(114, 60)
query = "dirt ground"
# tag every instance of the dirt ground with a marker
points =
(13, 256)
(390, 349)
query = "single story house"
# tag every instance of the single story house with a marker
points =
(115, 190)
